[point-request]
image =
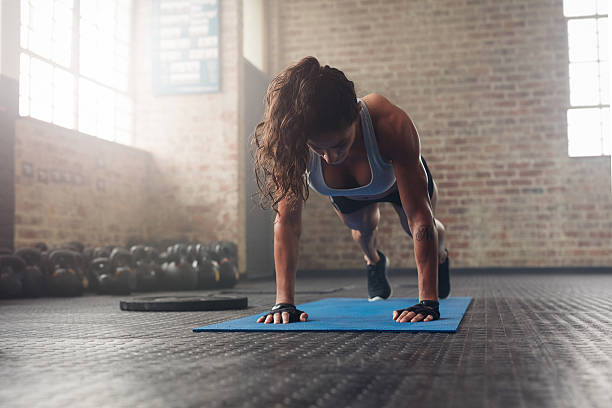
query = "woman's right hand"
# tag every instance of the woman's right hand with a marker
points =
(283, 313)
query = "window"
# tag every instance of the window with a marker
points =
(588, 118)
(74, 65)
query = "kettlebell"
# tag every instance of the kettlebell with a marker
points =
(11, 276)
(121, 269)
(64, 277)
(34, 280)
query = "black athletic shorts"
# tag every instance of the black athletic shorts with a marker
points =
(346, 206)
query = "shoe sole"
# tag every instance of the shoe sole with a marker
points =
(377, 298)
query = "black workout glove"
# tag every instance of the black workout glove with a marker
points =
(294, 314)
(424, 307)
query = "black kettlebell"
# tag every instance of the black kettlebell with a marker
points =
(229, 273)
(81, 268)
(100, 252)
(163, 261)
(139, 263)
(34, 280)
(100, 276)
(145, 267)
(138, 254)
(152, 275)
(121, 268)
(179, 271)
(209, 274)
(226, 254)
(207, 268)
(88, 255)
(169, 269)
(188, 272)
(65, 277)
(11, 276)
(224, 249)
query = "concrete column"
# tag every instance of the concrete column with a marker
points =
(9, 110)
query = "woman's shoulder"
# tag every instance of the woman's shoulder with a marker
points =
(384, 114)
(389, 121)
(376, 102)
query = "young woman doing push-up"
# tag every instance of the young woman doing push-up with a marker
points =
(359, 152)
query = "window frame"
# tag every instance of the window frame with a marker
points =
(596, 16)
(75, 70)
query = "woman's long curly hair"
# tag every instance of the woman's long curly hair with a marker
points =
(302, 101)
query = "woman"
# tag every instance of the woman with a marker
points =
(359, 152)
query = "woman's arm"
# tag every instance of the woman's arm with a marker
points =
(402, 146)
(412, 185)
(287, 232)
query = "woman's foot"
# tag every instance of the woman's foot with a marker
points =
(444, 276)
(378, 284)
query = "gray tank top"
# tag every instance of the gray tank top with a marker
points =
(382, 178)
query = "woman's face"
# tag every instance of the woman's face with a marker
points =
(334, 147)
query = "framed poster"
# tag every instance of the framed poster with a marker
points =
(185, 46)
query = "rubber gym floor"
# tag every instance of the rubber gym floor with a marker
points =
(527, 340)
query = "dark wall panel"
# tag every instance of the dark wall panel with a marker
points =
(259, 230)
(9, 98)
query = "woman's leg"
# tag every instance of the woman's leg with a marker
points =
(364, 227)
(363, 223)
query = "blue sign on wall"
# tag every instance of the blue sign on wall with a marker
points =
(185, 46)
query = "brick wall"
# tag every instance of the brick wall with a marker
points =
(195, 139)
(486, 82)
(70, 186)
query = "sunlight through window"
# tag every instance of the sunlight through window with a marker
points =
(588, 118)
(77, 77)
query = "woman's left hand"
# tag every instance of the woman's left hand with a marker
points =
(425, 310)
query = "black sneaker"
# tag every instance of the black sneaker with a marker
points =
(378, 284)
(444, 285)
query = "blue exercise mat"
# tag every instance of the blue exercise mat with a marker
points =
(349, 314)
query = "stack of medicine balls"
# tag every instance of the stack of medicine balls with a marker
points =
(74, 269)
